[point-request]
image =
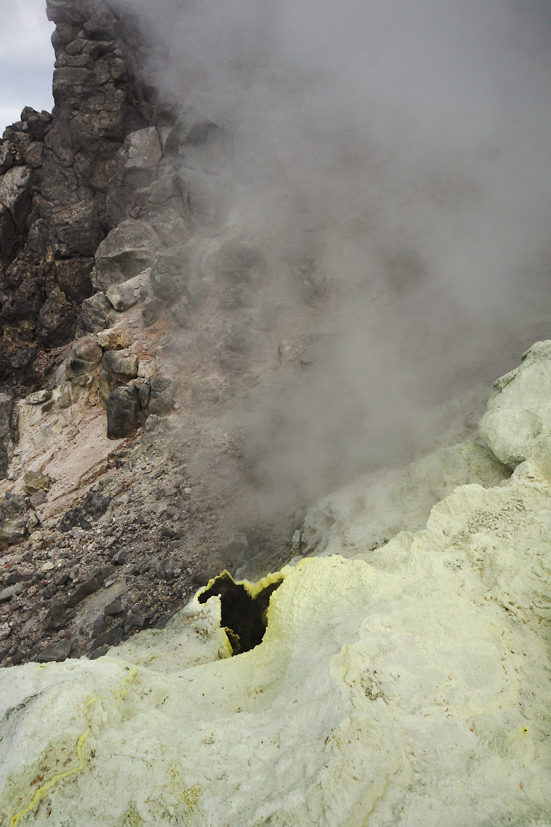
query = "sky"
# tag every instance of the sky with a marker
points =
(26, 59)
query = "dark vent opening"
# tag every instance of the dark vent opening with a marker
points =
(243, 616)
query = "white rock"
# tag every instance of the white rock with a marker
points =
(410, 690)
(408, 687)
(366, 514)
(519, 410)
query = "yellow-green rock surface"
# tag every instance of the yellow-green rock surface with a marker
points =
(406, 687)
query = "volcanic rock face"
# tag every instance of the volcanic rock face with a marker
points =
(380, 680)
(55, 172)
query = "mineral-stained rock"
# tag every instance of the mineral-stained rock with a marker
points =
(123, 410)
(38, 397)
(34, 481)
(121, 361)
(77, 229)
(85, 355)
(95, 313)
(127, 251)
(113, 338)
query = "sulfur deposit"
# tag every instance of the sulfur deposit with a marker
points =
(406, 684)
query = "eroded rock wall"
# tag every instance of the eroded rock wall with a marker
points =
(55, 172)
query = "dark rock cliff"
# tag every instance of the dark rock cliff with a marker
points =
(61, 186)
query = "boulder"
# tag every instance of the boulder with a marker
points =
(172, 229)
(122, 362)
(161, 395)
(37, 122)
(67, 12)
(58, 651)
(34, 481)
(70, 83)
(144, 394)
(162, 404)
(122, 296)
(85, 355)
(38, 397)
(96, 312)
(518, 415)
(164, 189)
(127, 251)
(123, 409)
(197, 143)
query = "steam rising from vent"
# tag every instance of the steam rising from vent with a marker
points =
(393, 158)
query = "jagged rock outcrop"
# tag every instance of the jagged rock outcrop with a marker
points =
(55, 174)
(387, 689)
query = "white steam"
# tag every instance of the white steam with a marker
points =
(400, 149)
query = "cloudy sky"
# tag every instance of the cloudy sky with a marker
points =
(26, 58)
